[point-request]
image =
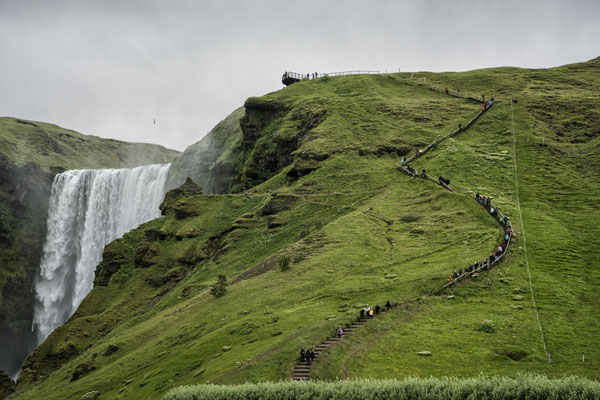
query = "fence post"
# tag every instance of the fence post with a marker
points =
(549, 359)
(583, 358)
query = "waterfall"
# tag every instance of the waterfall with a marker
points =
(88, 209)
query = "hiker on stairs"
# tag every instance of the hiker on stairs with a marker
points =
(340, 332)
(310, 355)
(302, 353)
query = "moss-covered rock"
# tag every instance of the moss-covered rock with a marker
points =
(82, 370)
(7, 386)
(278, 203)
(91, 395)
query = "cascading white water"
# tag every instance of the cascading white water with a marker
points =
(88, 209)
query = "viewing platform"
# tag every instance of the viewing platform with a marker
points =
(292, 77)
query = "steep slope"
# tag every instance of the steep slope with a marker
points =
(31, 153)
(326, 224)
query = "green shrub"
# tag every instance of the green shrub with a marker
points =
(284, 263)
(156, 281)
(486, 326)
(219, 288)
(304, 233)
(521, 388)
(410, 218)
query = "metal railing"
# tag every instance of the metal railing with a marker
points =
(452, 92)
(294, 75)
(449, 135)
(425, 176)
(344, 73)
(301, 77)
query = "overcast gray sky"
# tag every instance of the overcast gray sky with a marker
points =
(109, 67)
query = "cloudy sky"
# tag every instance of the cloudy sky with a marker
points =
(110, 67)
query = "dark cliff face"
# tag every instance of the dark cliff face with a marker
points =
(250, 146)
(31, 154)
(24, 200)
(211, 161)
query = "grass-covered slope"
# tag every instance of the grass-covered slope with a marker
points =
(326, 195)
(31, 153)
(549, 167)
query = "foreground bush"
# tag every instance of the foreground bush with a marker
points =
(525, 387)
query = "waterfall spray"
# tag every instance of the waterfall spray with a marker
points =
(87, 210)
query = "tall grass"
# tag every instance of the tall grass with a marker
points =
(524, 387)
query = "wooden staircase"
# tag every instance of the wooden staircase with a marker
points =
(302, 369)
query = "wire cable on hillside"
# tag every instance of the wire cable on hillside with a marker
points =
(537, 315)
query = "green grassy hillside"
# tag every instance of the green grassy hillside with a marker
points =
(323, 223)
(31, 153)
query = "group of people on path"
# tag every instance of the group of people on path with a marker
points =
(488, 104)
(308, 355)
(368, 312)
(486, 202)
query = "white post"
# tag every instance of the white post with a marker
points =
(583, 358)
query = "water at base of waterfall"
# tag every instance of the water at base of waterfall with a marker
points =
(88, 209)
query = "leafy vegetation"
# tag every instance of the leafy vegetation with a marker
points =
(219, 288)
(524, 387)
(328, 196)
